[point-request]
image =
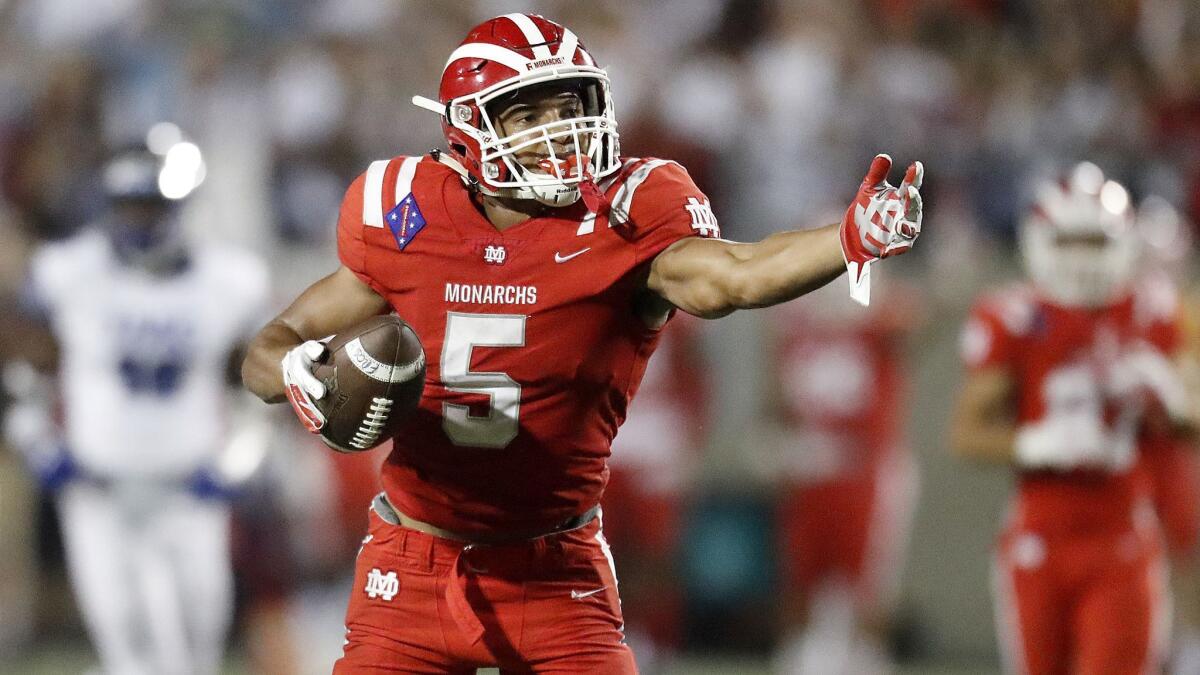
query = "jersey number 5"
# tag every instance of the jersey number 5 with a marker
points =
(464, 332)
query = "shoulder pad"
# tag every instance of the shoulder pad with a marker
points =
(622, 202)
(1155, 299)
(386, 182)
(1015, 306)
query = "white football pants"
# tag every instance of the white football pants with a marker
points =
(151, 571)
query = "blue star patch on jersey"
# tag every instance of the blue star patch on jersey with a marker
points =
(405, 221)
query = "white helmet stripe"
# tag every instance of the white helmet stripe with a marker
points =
(483, 50)
(569, 43)
(532, 33)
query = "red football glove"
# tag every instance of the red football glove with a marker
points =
(881, 221)
(302, 387)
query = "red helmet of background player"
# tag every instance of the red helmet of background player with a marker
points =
(499, 57)
(1078, 240)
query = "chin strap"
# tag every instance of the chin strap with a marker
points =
(593, 197)
(461, 170)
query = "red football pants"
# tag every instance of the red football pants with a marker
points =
(1085, 605)
(851, 530)
(422, 604)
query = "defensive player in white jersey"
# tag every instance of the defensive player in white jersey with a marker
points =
(145, 325)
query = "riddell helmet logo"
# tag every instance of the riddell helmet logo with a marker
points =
(553, 61)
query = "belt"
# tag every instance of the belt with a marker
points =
(463, 613)
(391, 514)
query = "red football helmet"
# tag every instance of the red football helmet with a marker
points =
(1078, 240)
(499, 57)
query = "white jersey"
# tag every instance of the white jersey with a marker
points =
(143, 359)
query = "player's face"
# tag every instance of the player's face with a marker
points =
(145, 232)
(1083, 243)
(138, 216)
(533, 107)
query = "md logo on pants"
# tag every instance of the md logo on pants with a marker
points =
(380, 585)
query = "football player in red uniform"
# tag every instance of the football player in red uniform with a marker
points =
(1063, 375)
(849, 480)
(537, 264)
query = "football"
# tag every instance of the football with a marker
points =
(374, 374)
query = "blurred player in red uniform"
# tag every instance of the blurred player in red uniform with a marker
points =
(1173, 462)
(850, 481)
(653, 459)
(1063, 376)
(538, 266)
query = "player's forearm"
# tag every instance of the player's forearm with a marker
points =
(261, 371)
(992, 443)
(785, 266)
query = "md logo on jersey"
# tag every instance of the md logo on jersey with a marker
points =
(704, 220)
(380, 585)
(405, 221)
(494, 254)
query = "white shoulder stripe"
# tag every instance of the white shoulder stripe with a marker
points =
(532, 33)
(588, 224)
(623, 200)
(404, 179)
(373, 194)
(482, 50)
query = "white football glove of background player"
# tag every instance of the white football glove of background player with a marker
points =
(302, 387)
(30, 429)
(1146, 371)
(1069, 441)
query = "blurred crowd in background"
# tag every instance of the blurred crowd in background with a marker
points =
(775, 107)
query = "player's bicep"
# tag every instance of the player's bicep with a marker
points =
(333, 303)
(699, 276)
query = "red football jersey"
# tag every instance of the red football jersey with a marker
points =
(841, 380)
(1060, 357)
(532, 344)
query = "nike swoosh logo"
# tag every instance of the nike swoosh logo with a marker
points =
(560, 258)
(576, 595)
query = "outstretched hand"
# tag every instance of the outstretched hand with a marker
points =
(882, 221)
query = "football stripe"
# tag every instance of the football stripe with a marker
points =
(376, 370)
(408, 169)
(482, 50)
(532, 33)
(623, 200)
(373, 194)
(567, 49)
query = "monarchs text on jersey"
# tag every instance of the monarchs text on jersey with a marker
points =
(533, 346)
